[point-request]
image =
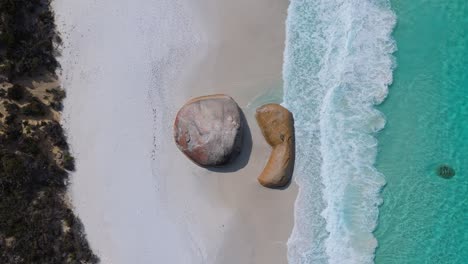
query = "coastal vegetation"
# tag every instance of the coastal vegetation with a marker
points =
(37, 223)
(27, 37)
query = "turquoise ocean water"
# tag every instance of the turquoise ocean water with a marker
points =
(424, 218)
(338, 66)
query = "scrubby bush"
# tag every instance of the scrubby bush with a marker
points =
(57, 106)
(28, 35)
(68, 161)
(11, 108)
(12, 113)
(12, 165)
(13, 131)
(16, 92)
(32, 184)
(56, 134)
(35, 108)
(29, 145)
(40, 238)
(57, 93)
(10, 119)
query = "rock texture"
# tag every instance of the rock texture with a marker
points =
(208, 130)
(277, 125)
(445, 171)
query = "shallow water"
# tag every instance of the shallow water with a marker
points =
(337, 66)
(424, 217)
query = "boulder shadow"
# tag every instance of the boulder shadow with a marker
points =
(243, 158)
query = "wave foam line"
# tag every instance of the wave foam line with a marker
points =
(338, 66)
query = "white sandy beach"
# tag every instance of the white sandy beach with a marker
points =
(127, 69)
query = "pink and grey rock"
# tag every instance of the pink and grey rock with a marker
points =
(208, 130)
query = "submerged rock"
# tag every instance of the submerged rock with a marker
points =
(445, 171)
(208, 130)
(277, 125)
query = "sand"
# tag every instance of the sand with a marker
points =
(139, 198)
(234, 219)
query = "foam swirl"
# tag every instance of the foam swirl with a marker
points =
(338, 66)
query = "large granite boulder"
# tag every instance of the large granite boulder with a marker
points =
(208, 130)
(277, 125)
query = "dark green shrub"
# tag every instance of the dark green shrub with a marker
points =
(56, 134)
(10, 119)
(32, 185)
(57, 93)
(68, 161)
(34, 109)
(11, 108)
(28, 36)
(13, 132)
(7, 38)
(29, 146)
(16, 92)
(13, 165)
(57, 106)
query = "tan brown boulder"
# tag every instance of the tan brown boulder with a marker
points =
(208, 130)
(277, 125)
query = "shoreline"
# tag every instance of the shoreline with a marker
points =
(138, 196)
(251, 223)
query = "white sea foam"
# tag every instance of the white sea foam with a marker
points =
(338, 65)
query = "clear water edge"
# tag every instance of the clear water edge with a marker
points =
(337, 66)
(423, 217)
